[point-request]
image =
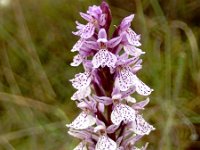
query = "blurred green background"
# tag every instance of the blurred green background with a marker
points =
(35, 44)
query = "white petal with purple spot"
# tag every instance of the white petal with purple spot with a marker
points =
(77, 60)
(122, 112)
(87, 31)
(140, 126)
(83, 121)
(142, 88)
(125, 79)
(133, 51)
(105, 143)
(132, 37)
(81, 93)
(104, 58)
(81, 80)
(78, 45)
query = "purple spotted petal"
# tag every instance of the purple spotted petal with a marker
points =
(81, 93)
(142, 88)
(104, 58)
(122, 112)
(125, 79)
(105, 143)
(140, 126)
(78, 45)
(80, 146)
(81, 80)
(85, 31)
(88, 31)
(83, 121)
(133, 51)
(77, 60)
(132, 37)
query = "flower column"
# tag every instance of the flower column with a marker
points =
(110, 117)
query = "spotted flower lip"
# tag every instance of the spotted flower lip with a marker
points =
(110, 117)
(140, 126)
(105, 143)
(81, 80)
(126, 79)
(104, 58)
(122, 112)
(83, 121)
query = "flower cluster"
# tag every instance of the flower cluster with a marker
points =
(110, 119)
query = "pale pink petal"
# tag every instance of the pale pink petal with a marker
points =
(80, 146)
(78, 45)
(114, 42)
(128, 92)
(142, 88)
(103, 99)
(91, 45)
(102, 36)
(130, 99)
(141, 105)
(140, 126)
(77, 60)
(78, 33)
(104, 58)
(81, 93)
(133, 51)
(81, 80)
(101, 107)
(126, 22)
(125, 79)
(132, 37)
(86, 17)
(122, 112)
(94, 11)
(112, 128)
(105, 143)
(83, 121)
(79, 25)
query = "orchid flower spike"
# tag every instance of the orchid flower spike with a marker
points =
(110, 117)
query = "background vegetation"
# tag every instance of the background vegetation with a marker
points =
(35, 44)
